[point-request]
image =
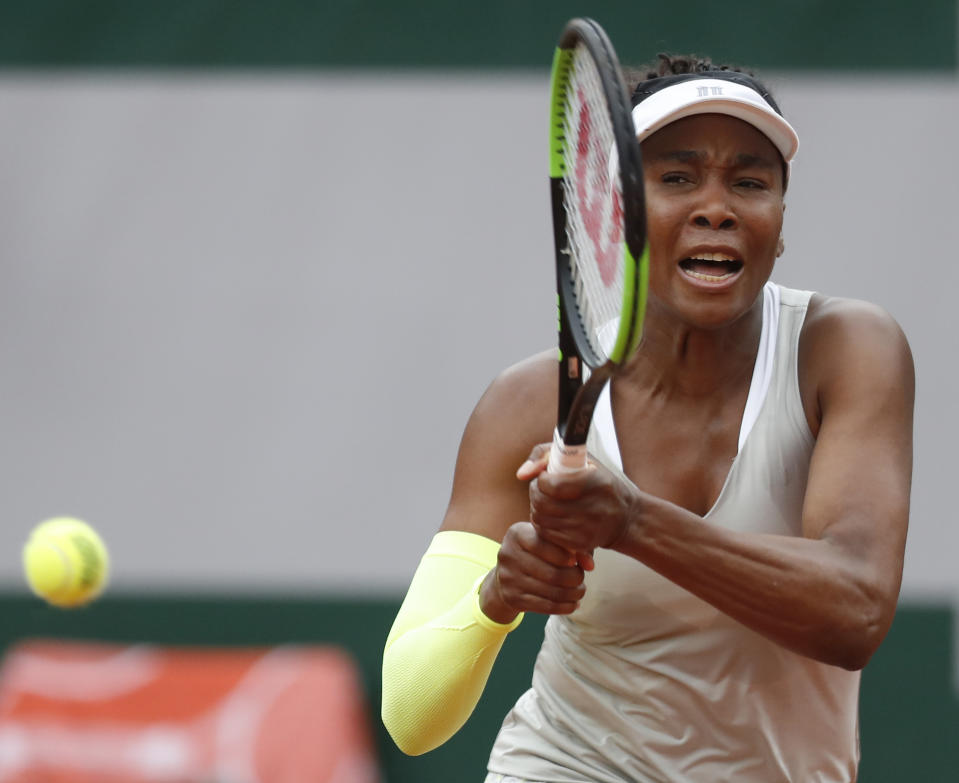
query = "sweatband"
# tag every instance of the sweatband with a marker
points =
(441, 648)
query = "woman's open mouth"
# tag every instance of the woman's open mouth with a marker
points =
(711, 267)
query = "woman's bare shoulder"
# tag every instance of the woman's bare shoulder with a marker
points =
(517, 411)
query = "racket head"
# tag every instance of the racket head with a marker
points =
(595, 161)
(599, 216)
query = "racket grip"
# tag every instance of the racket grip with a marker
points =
(569, 459)
(563, 458)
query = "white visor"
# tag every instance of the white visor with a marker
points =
(715, 96)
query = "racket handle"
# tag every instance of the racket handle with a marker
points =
(563, 458)
(569, 459)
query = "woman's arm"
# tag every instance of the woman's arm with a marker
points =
(829, 594)
(470, 589)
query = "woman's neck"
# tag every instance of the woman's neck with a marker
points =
(678, 358)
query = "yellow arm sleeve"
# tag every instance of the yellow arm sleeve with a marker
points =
(441, 649)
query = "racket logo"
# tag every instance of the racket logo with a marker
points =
(599, 202)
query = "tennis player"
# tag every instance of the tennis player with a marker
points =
(746, 505)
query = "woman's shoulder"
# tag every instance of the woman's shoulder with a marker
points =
(516, 412)
(834, 318)
(522, 391)
(849, 347)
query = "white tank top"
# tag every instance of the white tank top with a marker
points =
(645, 682)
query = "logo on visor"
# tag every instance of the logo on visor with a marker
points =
(705, 92)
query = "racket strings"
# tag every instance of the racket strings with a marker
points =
(593, 202)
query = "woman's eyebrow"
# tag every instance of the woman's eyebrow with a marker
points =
(743, 160)
(681, 156)
(748, 160)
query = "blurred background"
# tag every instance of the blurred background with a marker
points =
(251, 286)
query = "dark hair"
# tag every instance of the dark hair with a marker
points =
(672, 68)
(673, 65)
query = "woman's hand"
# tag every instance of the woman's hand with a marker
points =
(579, 511)
(531, 575)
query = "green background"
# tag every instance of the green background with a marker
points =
(853, 35)
(909, 710)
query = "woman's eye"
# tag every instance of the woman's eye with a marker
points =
(675, 177)
(752, 183)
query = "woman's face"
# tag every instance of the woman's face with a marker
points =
(714, 189)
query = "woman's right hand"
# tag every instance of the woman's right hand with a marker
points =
(531, 575)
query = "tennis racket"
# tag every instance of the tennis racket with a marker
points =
(599, 230)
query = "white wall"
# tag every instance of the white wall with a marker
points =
(243, 319)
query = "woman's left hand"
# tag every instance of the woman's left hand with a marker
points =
(582, 510)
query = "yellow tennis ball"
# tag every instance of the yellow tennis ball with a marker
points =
(65, 562)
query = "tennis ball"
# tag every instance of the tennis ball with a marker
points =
(65, 562)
